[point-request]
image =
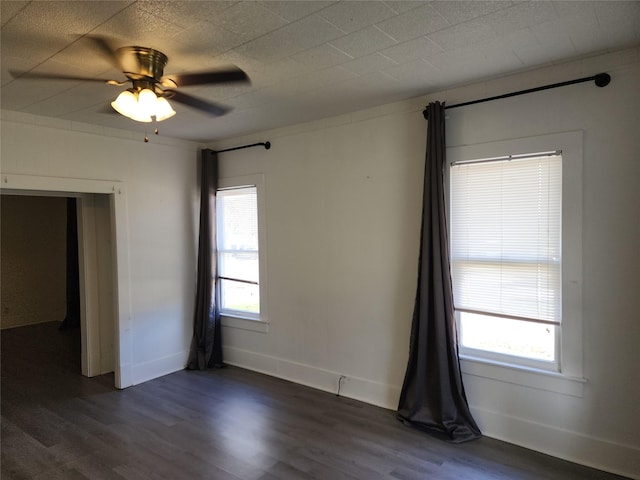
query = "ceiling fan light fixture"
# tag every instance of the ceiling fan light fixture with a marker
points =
(142, 105)
(146, 100)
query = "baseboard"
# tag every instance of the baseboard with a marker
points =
(568, 445)
(374, 393)
(123, 376)
(143, 372)
(17, 321)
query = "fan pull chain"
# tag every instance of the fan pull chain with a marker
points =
(146, 135)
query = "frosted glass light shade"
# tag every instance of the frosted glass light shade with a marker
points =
(147, 101)
(163, 109)
(127, 104)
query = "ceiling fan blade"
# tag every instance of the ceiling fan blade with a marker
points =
(230, 74)
(104, 46)
(198, 103)
(55, 76)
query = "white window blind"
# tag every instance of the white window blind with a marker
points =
(506, 238)
(238, 251)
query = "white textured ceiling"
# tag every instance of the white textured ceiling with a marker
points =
(306, 59)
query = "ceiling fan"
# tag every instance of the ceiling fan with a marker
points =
(147, 97)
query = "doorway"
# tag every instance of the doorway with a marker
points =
(57, 269)
(103, 267)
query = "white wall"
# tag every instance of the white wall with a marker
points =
(343, 201)
(343, 205)
(160, 181)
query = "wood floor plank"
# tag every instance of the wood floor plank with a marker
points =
(21, 455)
(227, 424)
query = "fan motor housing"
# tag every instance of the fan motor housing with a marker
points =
(142, 62)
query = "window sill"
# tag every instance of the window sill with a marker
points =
(243, 323)
(528, 377)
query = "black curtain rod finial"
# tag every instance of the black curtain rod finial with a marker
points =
(602, 79)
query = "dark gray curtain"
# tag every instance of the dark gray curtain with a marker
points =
(432, 396)
(206, 345)
(72, 319)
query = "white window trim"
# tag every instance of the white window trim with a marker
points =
(245, 323)
(522, 375)
(569, 379)
(242, 320)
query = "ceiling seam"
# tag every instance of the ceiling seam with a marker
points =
(72, 43)
(17, 13)
(289, 23)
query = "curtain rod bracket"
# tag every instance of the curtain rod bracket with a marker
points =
(601, 80)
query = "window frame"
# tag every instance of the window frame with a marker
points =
(246, 320)
(569, 343)
(556, 322)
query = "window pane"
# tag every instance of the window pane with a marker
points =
(506, 254)
(240, 296)
(508, 209)
(509, 337)
(238, 255)
(238, 219)
(241, 265)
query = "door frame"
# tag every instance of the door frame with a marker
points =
(116, 192)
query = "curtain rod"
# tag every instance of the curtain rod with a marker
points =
(601, 80)
(266, 145)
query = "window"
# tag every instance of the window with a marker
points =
(515, 223)
(238, 251)
(239, 241)
(506, 256)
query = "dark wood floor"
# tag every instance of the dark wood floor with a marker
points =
(229, 424)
